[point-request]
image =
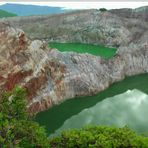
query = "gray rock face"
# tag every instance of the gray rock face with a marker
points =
(85, 75)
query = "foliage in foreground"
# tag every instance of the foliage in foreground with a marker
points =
(16, 128)
(99, 137)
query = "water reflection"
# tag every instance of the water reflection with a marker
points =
(53, 118)
(129, 108)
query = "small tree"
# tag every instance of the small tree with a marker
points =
(103, 9)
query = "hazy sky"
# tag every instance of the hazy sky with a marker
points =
(87, 5)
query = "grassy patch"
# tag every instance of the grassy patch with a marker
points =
(97, 50)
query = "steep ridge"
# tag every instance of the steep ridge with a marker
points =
(50, 76)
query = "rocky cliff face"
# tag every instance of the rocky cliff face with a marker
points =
(50, 76)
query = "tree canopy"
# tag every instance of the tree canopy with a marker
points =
(99, 136)
(103, 9)
(16, 127)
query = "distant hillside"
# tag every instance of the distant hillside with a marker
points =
(111, 28)
(27, 10)
(6, 14)
(142, 9)
(141, 12)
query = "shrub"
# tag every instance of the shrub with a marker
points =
(103, 9)
(99, 136)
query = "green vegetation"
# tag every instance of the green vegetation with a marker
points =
(18, 130)
(6, 14)
(99, 137)
(85, 48)
(103, 9)
(16, 127)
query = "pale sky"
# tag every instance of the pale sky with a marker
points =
(86, 5)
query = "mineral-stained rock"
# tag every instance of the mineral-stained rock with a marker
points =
(51, 77)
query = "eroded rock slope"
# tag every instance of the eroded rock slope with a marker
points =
(51, 77)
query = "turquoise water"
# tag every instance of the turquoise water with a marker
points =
(55, 117)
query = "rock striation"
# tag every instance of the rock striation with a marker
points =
(51, 77)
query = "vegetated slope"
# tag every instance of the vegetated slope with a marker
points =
(86, 26)
(6, 14)
(85, 48)
(26, 10)
(141, 13)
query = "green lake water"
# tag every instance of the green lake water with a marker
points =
(129, 108)
(56, 117)
(98, 50)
